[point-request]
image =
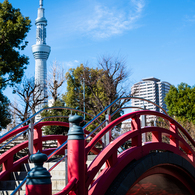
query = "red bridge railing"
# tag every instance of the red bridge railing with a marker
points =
(114, 161)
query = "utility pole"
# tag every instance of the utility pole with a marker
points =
(84, 97)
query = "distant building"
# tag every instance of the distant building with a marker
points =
(151, 89)
(50, 102)
(125, 126)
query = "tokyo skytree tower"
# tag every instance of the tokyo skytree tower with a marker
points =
(41, 53)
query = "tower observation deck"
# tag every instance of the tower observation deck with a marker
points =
(41, 53)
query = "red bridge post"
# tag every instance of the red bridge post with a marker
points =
(38, 179)
(76, 154)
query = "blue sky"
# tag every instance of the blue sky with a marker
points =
(157, 37)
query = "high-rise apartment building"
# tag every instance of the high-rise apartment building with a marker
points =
(151, 89)
(41, 53)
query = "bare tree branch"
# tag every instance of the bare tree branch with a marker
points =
(29, 93)
(56, 78)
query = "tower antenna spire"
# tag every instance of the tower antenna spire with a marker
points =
(41, 3)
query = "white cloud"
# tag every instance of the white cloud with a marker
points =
(139, 5)
(190, 18)
(105, 22)
(71, 64)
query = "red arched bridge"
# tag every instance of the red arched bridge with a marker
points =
(164, 163)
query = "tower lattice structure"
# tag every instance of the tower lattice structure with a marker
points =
(41, 53)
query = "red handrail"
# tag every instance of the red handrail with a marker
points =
(71, 184)
(109, 154)
(92, 143)
(6, 159)
(116, 162)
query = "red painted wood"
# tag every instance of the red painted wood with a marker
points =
(92, 135)
(37, 135)
(136, 126)
(41, 124)
(8, 155)
(52, 123)
(11, 134)
(156, 136)
(110, 149)
(6, 159)
(133, 115)
(76, 164)
(173, 140)
(39, 189)
(107, 176)
(71, 184)
(109, 155)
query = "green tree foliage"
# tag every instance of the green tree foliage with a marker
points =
(57, 130)
(102, 86)
(180, 102)
(74, 95)
(5, 117)
(189, 126)
(13, 30)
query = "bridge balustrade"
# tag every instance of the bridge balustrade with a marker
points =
(178, 142)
